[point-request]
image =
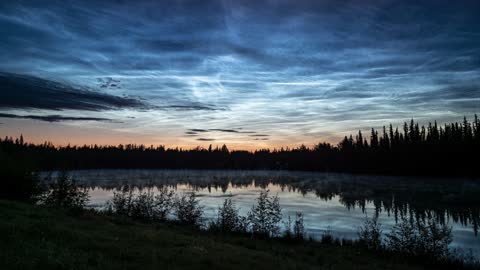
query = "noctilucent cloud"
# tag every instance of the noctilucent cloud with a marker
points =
(250, 74)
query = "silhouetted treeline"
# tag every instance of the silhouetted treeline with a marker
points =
(449, 149)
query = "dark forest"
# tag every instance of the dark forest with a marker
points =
(449, 149)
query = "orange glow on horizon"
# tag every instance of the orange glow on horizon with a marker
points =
(62, 135)
(60, 141)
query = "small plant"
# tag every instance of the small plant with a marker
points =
(298, 230)
(243, 224)
(142, 206)
(64, 192)
(188, 209)
(228, 219)
(327, 237)
(122, 201)
(370, 233)
(434, 238)
(288, 234)
(299, 227)
(420, 238)
(265, 215)
(163, 203)
(403, 237)
(145, 206)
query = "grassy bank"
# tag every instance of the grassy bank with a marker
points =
(34, 237)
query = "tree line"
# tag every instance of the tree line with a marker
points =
(412, 149)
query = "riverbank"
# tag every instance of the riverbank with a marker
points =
(34, 237)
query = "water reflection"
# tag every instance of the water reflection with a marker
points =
(338, 202)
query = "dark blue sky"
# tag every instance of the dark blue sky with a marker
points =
(246, 73)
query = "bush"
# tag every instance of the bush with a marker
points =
(327, 237)
(403, 238)
(121, 203)
(288, 228)
(243, 224)
(228, 219)
(144, 206)
(421, 238)
(265, 215)
(370, 234)
(298, 230)
(299, 226)
(64, 192)
(188, 209)
(163, 204)
(434, 238)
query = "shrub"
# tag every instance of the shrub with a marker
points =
(163, 203)
(243, 224)
(228, 219)
(298, 230)
(421, 238)
(265, 215)
(403, 238)
(188, 209)
(327, 237)
(299, 226)
(288, 228)
(434, 238)
(64, 192)
(370, 233)
(144, 206)
(122, 201)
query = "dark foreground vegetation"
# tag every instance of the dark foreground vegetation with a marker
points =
(445, 150)
(36, 237)
(140, 228)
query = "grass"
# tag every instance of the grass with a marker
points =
(34, 237)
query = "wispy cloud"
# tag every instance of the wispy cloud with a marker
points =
(197, 131)
(205, 139)
(259, 135)
(52, 118)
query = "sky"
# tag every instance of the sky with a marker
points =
(249, 74)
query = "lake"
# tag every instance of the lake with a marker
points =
(338, 203)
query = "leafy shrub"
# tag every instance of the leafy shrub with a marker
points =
(64, 192)
(144, 206)
(299, 226)
(421, 238)
(188, 209)
(121, 203)
(163, 204)
(434, 238)
(228, 219)
(327, 237)
(298, 230)
(370, 234)
(288, 228)
(265, 215)
(243, 225)
(403, 238)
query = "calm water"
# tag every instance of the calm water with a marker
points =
(335, 202)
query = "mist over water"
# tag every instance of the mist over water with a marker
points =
(338, 203)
